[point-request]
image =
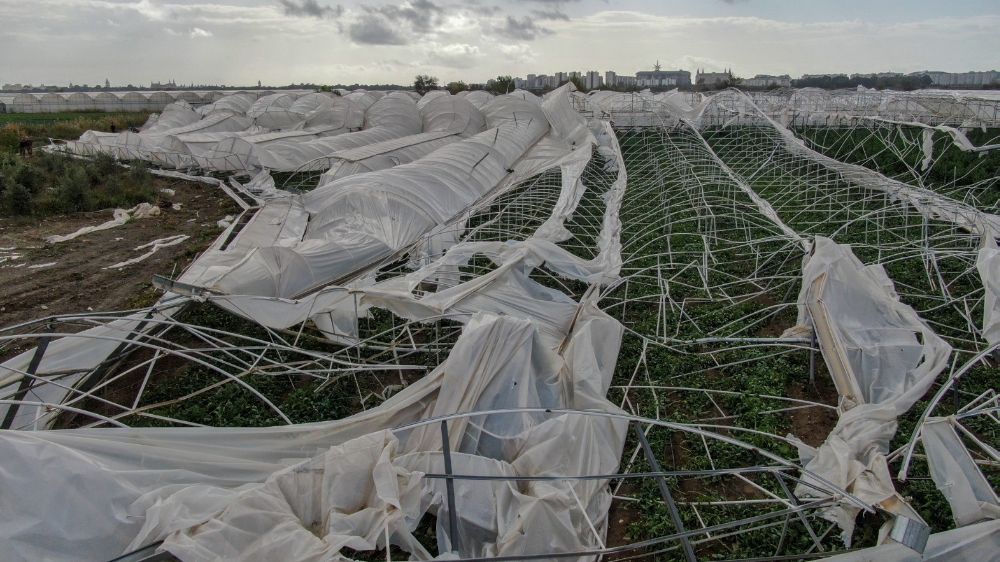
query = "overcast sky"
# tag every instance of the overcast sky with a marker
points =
(379, 41)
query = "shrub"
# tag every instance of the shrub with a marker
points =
(139, 175)
(23, 174)
(74, 190)
(17, 200)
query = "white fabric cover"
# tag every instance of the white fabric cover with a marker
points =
(391, 117)
(175, 115)
(304, 492)
(274, 111)
(988, 264)
(446, 119)
(358, 220)
(975, 543)
(882, 358)
(956, 475)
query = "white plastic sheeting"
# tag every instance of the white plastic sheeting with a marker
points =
(238, 103)
(313, 489)
(239, 153)
(975, 543)
(882, 358)
(121, 216)
(956, 475)
(507, 289)
(988, 264)
(274, 111)
(170, 147)
(478, 98)
(175, 115)
(393, 116)
(446, 119)
(361, 219)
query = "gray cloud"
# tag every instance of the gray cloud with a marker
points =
(396, 24)
(550, 14)
(421, 15)
(374, 29)
(310, 8)
(455, 55)
(524, 28)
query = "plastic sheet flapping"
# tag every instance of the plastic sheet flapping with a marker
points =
(882, 358)
(307, 491)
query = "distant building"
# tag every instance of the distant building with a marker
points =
(713, 79)
(626, 82)
(658, 78)
(171, 85)
(593, 80)
(767, 81)
(959, 79)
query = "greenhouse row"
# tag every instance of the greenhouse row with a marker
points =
(54, 102)
(581, 326)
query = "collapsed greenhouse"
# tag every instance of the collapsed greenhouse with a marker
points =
(578, 327)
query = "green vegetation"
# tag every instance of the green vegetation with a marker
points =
(905, 83)
(48, 184)
(424, 83)
(502, 85)
(456, 87)
(897, 152)
(699, 261)
(67, 126)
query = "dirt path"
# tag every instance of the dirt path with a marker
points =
(40, 279)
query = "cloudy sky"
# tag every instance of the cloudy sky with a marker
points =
(379, 41)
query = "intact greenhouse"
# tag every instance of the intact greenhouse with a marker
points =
(604, 326)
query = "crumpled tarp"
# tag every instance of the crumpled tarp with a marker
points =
(306, 491)
(882, 356)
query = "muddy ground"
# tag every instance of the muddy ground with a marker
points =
(40, 279)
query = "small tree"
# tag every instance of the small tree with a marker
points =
(503, 85)
(456, 87)
(578, 83)
(424, 83)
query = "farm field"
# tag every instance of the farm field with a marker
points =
(630, 334)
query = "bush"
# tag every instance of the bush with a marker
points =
(17, 200)
(58, 184)
(74, 190)
(22, 173)
(139, 176)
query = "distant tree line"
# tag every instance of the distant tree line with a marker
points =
(904, 83)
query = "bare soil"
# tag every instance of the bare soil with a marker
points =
(812, 425)
(77, 280)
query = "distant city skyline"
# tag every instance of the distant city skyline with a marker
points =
(389, 41)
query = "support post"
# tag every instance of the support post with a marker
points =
(26, 382)
(449, 487)
(665, 493)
